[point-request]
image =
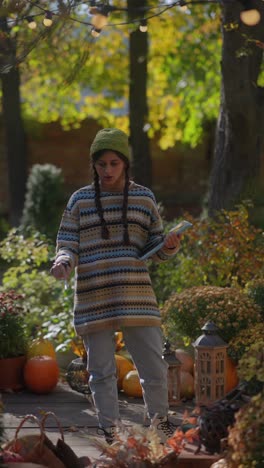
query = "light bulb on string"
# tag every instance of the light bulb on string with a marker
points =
(183, 5)
(31, 22)
(95, 32)
(250, 17)
(48, 19)
(99, 19)
(143, 27)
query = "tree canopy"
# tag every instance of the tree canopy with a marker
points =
(70, 76)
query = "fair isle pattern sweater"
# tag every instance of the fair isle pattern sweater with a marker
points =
(112, 285)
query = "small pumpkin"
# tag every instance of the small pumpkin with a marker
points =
(186, 360)
(231, 375)
(131, 384)
(41, 374)
(187, 385)
(123, 366)
(41, 347)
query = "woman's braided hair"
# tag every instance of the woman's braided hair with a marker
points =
(98, 204)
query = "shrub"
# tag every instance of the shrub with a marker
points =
(246, 437)
(255, 290)
(239, 344)
(251, 365)
(29, 273)
(225, 251)
(44, 199)
(13, 340)
(229, 308)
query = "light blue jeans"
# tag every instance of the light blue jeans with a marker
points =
(145, 345)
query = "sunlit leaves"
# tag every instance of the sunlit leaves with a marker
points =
(71, 76)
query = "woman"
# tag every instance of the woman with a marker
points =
(103, 231)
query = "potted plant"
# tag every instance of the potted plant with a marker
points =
(13, 340)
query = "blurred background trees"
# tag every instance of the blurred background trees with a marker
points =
(195, 63)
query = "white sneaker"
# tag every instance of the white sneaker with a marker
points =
(108, 433)
(164, 428)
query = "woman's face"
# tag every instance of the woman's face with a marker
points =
(111, 171)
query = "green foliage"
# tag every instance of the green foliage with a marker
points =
(239, 344)
(246, 437)
(13, 339)
(44, 199)
(225, 251)
(4, 227)
(50, 307)
(229, 308)
(251, 365)
(183, 75)
(255, 290)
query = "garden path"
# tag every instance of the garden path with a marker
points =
(77, 418)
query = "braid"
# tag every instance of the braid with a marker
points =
(124, 210)
(104, 228)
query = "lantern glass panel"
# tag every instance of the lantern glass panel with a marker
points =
(220, 359)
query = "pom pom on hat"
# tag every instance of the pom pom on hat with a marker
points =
(111, 139)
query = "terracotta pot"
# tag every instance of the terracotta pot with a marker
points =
(11, 373)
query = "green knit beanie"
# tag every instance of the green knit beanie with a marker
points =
(111, 139)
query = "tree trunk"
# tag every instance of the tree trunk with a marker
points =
(138, 107)
(240, 128)
(15, 140)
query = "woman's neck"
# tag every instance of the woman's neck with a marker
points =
(119, 187)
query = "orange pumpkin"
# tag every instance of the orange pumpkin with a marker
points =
(41, 347)
(131, 384)
(231, 375)
(187, 385)
(123, 366)
(41, 374)
(186, 360)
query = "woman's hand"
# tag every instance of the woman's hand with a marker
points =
(61, 271)
(172, 241)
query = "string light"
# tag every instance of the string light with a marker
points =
(95, 32)
(143, 27)
(100, 13)
(31, 22)
(48, 19)
(183, 5)
(99, 19)
(250, 17)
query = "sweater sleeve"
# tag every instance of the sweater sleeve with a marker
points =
(156, 229)
(67, 248)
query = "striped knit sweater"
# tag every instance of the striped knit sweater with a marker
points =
(112, 285)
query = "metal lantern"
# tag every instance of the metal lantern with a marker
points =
(77, 376)
(210, 365)
(174, 368)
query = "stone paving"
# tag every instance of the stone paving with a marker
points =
(76, 415)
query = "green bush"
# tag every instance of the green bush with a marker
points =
(255, 290)
(13, 336)
(29, 259)
(226, 251)
(44, 199)
(229, 308)
(246, 437)
(239, 344)
(251, 365)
